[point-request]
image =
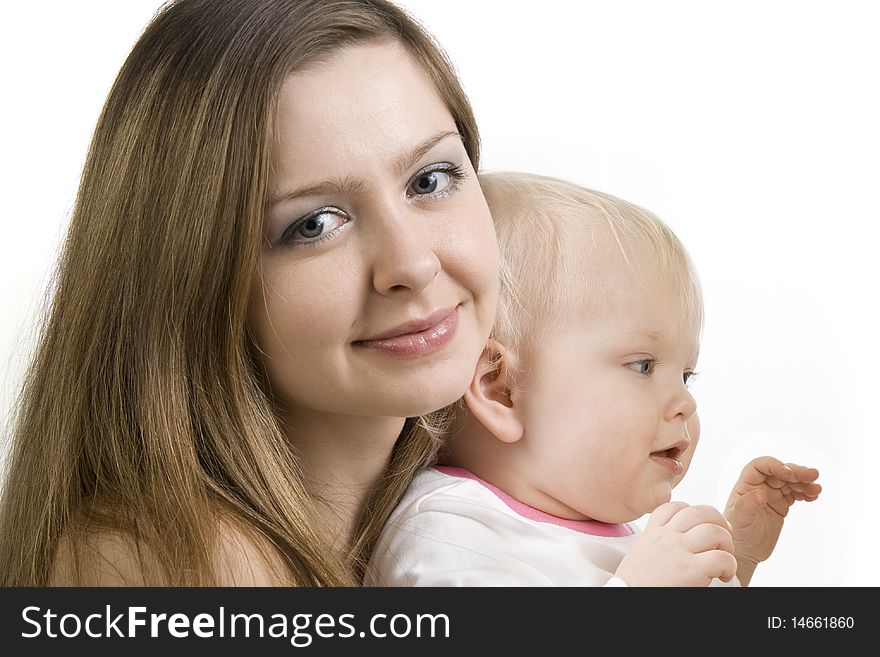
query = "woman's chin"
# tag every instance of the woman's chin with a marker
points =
(430, 402)
(427, 394)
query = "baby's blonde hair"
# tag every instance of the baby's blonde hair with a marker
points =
(550, 234)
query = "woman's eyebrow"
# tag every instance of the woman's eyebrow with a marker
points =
(407, 160)
(352, 185)
(347, 185)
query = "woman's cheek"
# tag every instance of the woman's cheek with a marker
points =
(481, 255)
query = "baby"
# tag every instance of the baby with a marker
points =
(579, 419)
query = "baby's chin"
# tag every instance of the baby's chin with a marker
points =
(629, 513)
(677, 480)
(663, 496)
(619, 511)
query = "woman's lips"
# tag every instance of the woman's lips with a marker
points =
(418, 338)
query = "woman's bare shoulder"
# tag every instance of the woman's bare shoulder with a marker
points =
(100, 558)
(115, 558)
(243, 558)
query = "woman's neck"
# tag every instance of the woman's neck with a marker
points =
(342, 458)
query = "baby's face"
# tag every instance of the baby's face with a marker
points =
(610, 425)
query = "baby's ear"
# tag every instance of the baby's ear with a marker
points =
(489, 396)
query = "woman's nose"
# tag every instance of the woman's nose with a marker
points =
(404, 257)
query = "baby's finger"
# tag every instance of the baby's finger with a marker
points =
(803, 473)
(782, 504)
(692, 516)
(742, 514)
(798, 487)
(809, 489)
(717, 563)
(777, 483)
(750, 503)
(808, 492)
(706, 537)
(758, 470)
(663, 513)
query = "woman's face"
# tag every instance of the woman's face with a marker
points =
(380, 267)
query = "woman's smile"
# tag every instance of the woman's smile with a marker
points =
(416, 338)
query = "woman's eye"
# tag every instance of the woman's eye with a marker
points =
(428, 183)
(314, 228)
(435, 182)
(644, 366)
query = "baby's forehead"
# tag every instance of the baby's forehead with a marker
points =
(653, 306)
(567, 249)
(612, 332)
(610, 259)
(634, 291)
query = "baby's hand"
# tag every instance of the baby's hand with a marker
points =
(758, 505)
(681, 546)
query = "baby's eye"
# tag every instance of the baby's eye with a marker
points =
(436, 180)
(315, 227)
(644, 366)
(687, 376)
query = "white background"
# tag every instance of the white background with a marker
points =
(750, 127)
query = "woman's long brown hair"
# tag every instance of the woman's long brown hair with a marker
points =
(144, 411)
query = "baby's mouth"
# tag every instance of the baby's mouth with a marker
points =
(668, 458)
(672, 452)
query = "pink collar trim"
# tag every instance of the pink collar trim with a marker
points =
(591, 527)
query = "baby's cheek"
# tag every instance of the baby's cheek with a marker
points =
(693, 427)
